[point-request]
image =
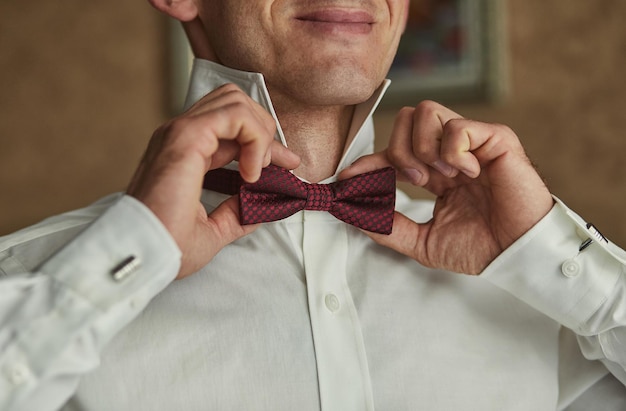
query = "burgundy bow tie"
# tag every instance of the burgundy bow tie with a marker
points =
(366, 201)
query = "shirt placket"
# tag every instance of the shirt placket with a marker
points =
(343, 373)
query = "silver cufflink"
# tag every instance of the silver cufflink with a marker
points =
(595, 235)
(125, 268)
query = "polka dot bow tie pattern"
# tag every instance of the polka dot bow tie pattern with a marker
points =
(366, 201)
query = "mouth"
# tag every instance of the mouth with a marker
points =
(336, 21)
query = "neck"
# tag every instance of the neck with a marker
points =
(317, 134)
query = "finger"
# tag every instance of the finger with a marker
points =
(264, 117)
(211, 100)
(229, 94)
(429, 120)
(400, 151)
(256, 153)
(212, 233)
(459, 141)
(236, 122)
(277, 154)
(223, 224)
(283, 156)
(467, 144)
(404, 237)
(253, 157)
(365, 164)
(226, 152)
(230, 114)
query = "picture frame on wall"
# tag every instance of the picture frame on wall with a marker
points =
(451, 51)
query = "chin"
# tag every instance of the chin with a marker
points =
(347, 97)
(326, 82)
(328, 89)
(350, 95)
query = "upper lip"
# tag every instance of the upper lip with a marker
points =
(338, 16)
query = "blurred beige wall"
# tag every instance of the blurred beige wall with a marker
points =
(84, 85)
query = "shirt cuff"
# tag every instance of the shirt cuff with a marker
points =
(86, 293)
(125, 250)
(545, 269)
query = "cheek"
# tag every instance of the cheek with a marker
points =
(238, 40)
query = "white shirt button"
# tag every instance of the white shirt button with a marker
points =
(332, 303)
(570, 268)
(17, 374)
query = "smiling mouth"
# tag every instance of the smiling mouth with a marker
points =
(338, 21)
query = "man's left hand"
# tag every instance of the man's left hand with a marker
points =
(488, 192)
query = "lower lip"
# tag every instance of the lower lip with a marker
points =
(337, 27)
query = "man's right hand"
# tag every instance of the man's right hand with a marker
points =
(224, 125)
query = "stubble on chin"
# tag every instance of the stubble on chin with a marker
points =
(329, 87)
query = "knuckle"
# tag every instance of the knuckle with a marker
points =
(406, 111)
(509, 137)
(422, 145)
(244, 122)
(187, 135)
(449, 156)
(455, 126)
(270, 124)
(233, 112)
(207, 145)
(229, 88)
(426, 107)
(175, 129)
(236, 107)
(505, 131)
(424, 151)
(395, 155)
(231, 94)
(223, 91)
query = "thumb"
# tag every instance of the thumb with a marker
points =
(377, 161)
(405, 237)
(224, 226)
(211, 233)
(365, 164)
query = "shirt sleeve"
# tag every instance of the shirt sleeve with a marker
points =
(55, 319)
(566, 269)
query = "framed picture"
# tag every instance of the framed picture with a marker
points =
(452, 51)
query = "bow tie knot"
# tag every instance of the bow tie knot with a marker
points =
(319, 197)
(366, 201)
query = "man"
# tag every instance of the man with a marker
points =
(309, 312)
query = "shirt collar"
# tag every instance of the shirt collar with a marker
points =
(206, 76)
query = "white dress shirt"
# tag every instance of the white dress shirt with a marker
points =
(306, 313)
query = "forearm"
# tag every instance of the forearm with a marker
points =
(55, 320)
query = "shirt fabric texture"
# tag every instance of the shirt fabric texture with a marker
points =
(305, 313)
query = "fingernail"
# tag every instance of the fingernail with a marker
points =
(443, 168)
(470, 173)
(415, 176)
